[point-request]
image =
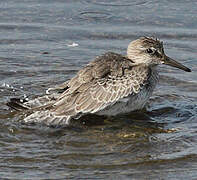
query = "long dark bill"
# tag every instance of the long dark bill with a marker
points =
(171, 62)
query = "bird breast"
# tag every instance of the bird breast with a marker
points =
(134, 101)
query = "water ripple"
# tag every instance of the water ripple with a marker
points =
(95, 15)
(117, 3)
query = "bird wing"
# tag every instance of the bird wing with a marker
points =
(100, 84)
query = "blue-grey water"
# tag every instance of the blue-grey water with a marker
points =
(45, 42)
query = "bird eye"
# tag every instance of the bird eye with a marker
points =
(150, 51)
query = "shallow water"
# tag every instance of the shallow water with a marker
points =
(44, 43)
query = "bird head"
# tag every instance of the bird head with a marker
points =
(150, 52)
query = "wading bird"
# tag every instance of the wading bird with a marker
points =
(110, 85)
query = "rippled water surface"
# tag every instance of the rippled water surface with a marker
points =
(44, 43)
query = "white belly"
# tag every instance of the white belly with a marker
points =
(125, 105)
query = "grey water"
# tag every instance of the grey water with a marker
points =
(44, 43)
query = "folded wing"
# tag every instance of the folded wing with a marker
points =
(98, 85)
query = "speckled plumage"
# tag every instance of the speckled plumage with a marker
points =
(111, 84)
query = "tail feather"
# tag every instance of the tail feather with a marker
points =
(17, 104)
(39, 110)
(22, 104)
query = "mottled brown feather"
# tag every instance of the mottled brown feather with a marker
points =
(99, 84)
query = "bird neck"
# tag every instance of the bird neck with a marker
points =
(154, 75)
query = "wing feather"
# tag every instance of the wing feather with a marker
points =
(97, 94)
(97, 86)
(100, 84)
